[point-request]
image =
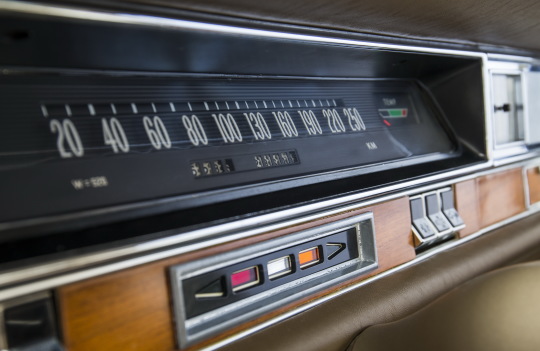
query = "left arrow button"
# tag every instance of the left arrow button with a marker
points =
(212, 290)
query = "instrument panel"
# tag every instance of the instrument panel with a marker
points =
(245, 175)
(102, 141)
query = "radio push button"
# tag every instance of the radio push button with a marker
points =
(246, 278)
(309, 257)
(279, 267)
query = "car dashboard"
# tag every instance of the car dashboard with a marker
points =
(185, 177)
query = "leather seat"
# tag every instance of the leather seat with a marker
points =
(499, 310)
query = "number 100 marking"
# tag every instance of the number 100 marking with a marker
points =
(228, 128)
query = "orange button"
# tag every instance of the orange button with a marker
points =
(308, 257)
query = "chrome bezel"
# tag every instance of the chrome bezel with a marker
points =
(195, 329)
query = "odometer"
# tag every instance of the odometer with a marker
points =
(75, 142)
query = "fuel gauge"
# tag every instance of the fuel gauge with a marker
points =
(396, 109)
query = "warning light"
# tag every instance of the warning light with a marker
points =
(309, 257)
(387, 123)
(279, 267)
(245, 278)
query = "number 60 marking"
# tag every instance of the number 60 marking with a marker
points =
(157, 133)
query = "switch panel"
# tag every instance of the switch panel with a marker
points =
(434, 217)
(216, 293)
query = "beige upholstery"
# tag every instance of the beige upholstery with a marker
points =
(496, 311)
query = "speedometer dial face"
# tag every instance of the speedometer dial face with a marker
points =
(99, 141)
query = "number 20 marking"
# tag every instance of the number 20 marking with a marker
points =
(66, 132)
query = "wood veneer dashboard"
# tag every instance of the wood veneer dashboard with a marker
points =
(116, 310)
(158, 153)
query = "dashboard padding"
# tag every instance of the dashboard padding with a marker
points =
(498, 23)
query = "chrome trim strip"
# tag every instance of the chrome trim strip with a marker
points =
(525, 102)
(146, 20)
(516, 158)
(3, 338)
(533, 164)
(520, 59)
(526, 189)
(488, 126)
(421, 257)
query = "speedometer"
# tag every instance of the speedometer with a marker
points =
(109, 140)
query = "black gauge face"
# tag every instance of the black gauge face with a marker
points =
(74, 143)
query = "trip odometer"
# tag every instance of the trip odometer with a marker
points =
(98, 141)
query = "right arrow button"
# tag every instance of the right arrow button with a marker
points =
(334, 249)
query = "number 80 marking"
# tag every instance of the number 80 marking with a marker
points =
(194, 130)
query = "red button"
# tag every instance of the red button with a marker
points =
(245, 278)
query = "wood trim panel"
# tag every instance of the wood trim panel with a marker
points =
(533, 180)
(489, 199)
(501, 196)
(131, 309)
(128, 310)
